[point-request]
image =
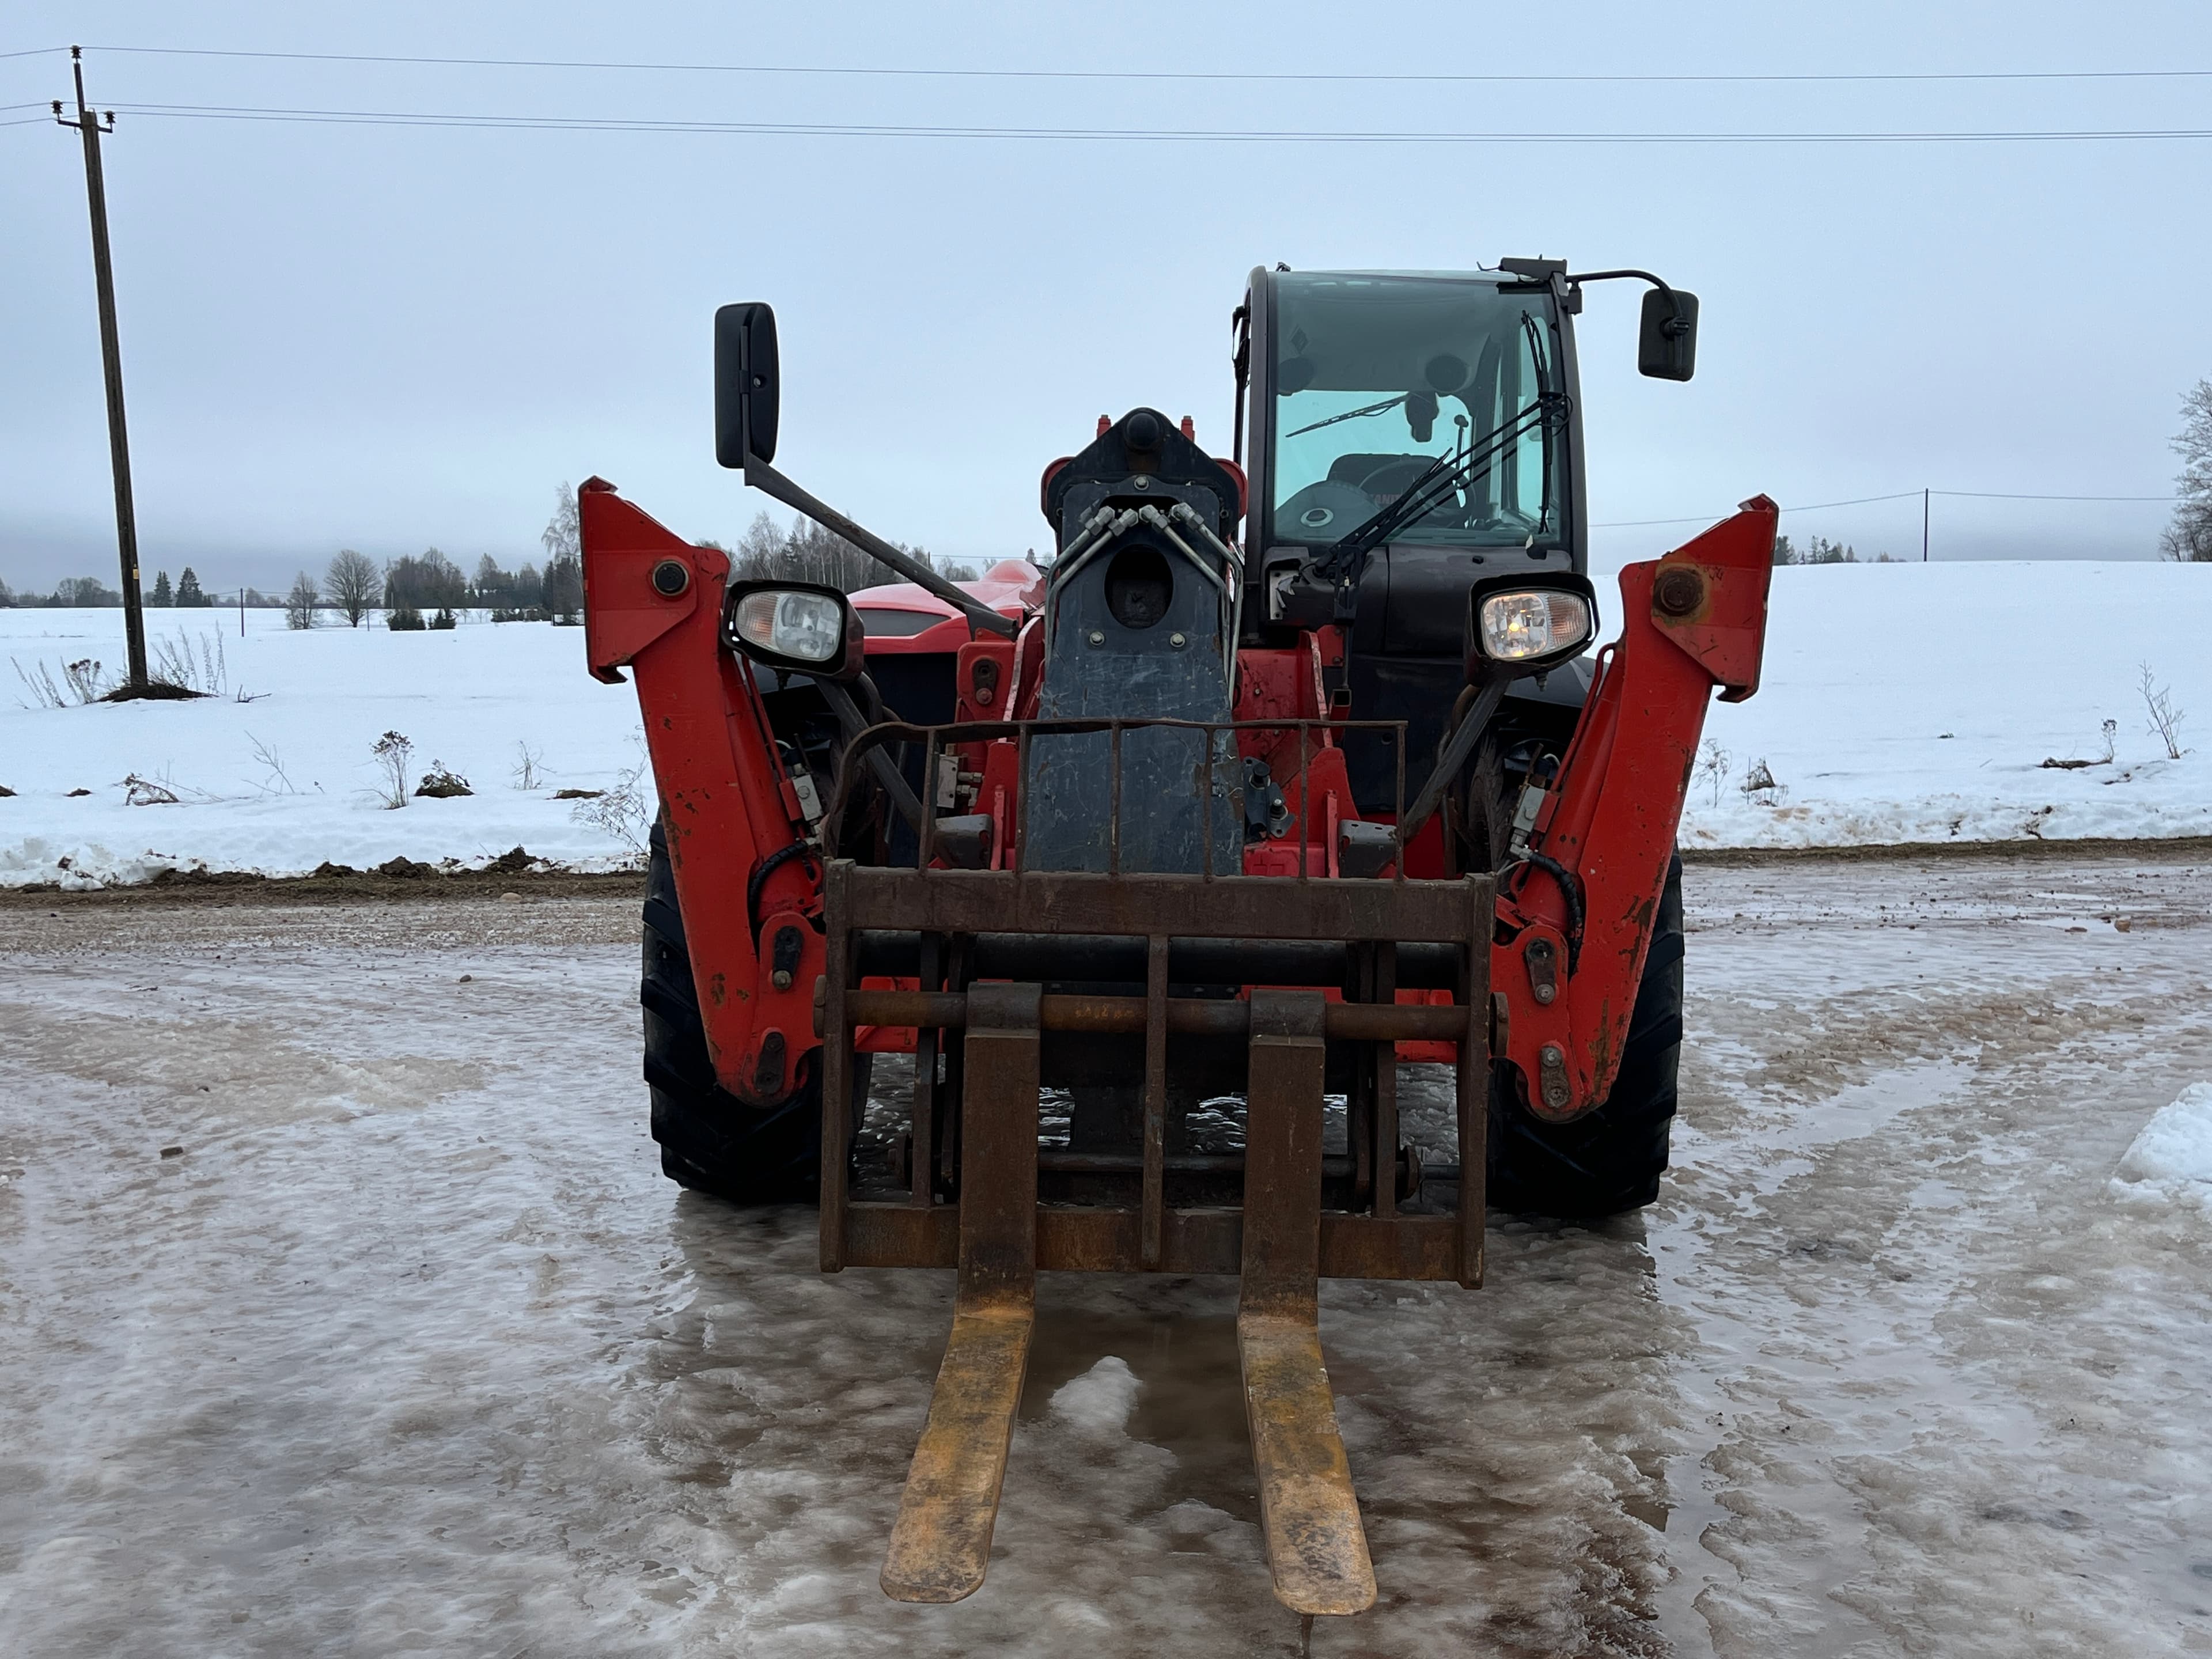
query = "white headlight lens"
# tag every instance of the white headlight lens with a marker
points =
(1518, 626)
(809, 627)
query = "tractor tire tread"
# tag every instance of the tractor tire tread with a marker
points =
(1611, 1159)
(710, 1141)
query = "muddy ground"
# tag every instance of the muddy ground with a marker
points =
(407, 1347)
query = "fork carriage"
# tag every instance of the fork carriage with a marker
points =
(1273, 989)
(975, 1130)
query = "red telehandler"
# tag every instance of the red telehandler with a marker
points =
(1161, 860)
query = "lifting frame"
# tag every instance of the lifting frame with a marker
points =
(1281, 1241)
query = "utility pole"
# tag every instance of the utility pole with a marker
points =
(1924, 526)
(119, 442)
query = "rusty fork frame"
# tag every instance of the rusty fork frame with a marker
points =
(1281, 1241)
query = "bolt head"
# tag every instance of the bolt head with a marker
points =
(671, 578)
(1177, 641)
(781, 979)
(1678, 591)
(1097, 636)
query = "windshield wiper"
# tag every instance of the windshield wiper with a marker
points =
(1383, 408)
(1342, 562)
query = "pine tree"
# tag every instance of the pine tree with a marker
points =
(161, 595)
(188, 590)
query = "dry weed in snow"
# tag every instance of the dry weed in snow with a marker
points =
(393, 752)
(527, 774)
(619, 812)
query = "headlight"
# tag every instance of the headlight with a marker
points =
(1516, 627)
(808, 626)
(1529, 623)
(794, 627)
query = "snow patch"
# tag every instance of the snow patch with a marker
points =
(2171, 1159)
(1099, 1402)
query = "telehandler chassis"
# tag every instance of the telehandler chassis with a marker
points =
(1133, 858)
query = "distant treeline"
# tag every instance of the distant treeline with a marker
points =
(90, 592)
(428, 590)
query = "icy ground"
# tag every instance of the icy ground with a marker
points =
(410, 1349)
(1901, 703)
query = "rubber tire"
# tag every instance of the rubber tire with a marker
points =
(1610, 1159)
(711, 1141)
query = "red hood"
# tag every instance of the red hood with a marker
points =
(1011, 586)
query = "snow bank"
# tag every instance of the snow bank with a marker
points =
(1901, 703)
(2171, 1157)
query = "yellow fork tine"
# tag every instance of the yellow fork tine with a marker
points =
(1316, 1548)
(941, 1543)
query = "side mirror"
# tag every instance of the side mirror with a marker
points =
(744, 383)
(801, 628)
(1528, 624)
(1667, 344)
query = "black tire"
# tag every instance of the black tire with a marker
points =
(1609, 1159)
(710, 1140)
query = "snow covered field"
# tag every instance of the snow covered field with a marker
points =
(1916, 702)
(409, 1348)
(1901, 703)
(470, 698)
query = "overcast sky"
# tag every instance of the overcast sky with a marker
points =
(388, 337)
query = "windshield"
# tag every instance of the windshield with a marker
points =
(1378, 379)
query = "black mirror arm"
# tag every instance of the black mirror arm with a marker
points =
(1455, 756)
(765, 478)
(853, 723)
(1676, 326)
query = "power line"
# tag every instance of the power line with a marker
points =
(2007, 495)
(1126, 135)
(1245, 75)
(1709, 517)
(1900, 496)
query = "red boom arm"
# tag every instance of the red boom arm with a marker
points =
(728, 805)
(1692, 620)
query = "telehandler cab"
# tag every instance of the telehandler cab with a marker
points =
(1287, 769)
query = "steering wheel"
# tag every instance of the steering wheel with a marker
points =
(1323, 512)
(1394, 478)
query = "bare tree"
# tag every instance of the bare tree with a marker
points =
(2188, 538)
(563, 534)
(353, 585)
(2165, 719)
(563, 584)
(300, 603)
